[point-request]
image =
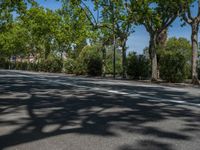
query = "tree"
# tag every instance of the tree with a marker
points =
(42, 25)
(7, 7)
(80, 28)
(156, 16)
(14, 41)
(111, 18)
(194, 24)
(115, 17)
(180, 45)
(175, 60)
(123, 28)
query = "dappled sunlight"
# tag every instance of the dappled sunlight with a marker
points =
(15, 95)
(147, 145)
(42, 110)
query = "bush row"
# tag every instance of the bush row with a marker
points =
(138, 66)
(44, 65)
(174, 67)
(88, 66)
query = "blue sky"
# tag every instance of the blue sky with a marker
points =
(140, 38)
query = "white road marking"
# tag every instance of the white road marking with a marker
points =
(17, 75)
(117, 92)
(150, 98)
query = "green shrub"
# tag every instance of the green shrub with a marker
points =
(21, 65)
(80, 68)
(94, 66)
(33, 67)
(109, 62)
(4, 64)
(138, 67)
(56, 65)
(173, 67)
(69, 66)
(12, 65)
(175, 60)
(89, 62)
(50, 65)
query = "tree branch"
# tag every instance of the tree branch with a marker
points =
(189, 11)
(95, 21)
(166, 24)
(186, 19)
(198, 8)
(198, 16)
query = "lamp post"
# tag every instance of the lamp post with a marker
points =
(114, 42)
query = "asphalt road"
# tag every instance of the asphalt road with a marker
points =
(40, 111)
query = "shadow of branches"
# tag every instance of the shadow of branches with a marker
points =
(45, 110)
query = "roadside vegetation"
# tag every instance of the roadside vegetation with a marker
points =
(90, 38)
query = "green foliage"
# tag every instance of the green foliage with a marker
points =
(174, 60)
(138, 66)
(109, 61)
(50, 65)
(179, 45)
(8, 8)
(21, 65)
(13, 41)
(4, 63)
(156, 16)
(173, 67)
(33, 67)
(94, 66)
(69, 66)
(42, 27)
(43, 33)
(89, 61)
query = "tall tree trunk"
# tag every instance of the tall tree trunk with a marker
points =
(194, 23)
(153, 55)
(161, 42)
(124, 60)
(194, 39)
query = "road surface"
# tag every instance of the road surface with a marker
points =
(41, 111)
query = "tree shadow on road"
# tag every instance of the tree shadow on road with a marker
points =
(147, 145)
(44, 110)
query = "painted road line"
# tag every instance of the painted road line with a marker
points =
(135, 94)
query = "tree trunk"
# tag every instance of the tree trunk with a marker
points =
(153, 54)
(194, 39)
(161, 42)
(124, 60)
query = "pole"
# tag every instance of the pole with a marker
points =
(114, 44)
